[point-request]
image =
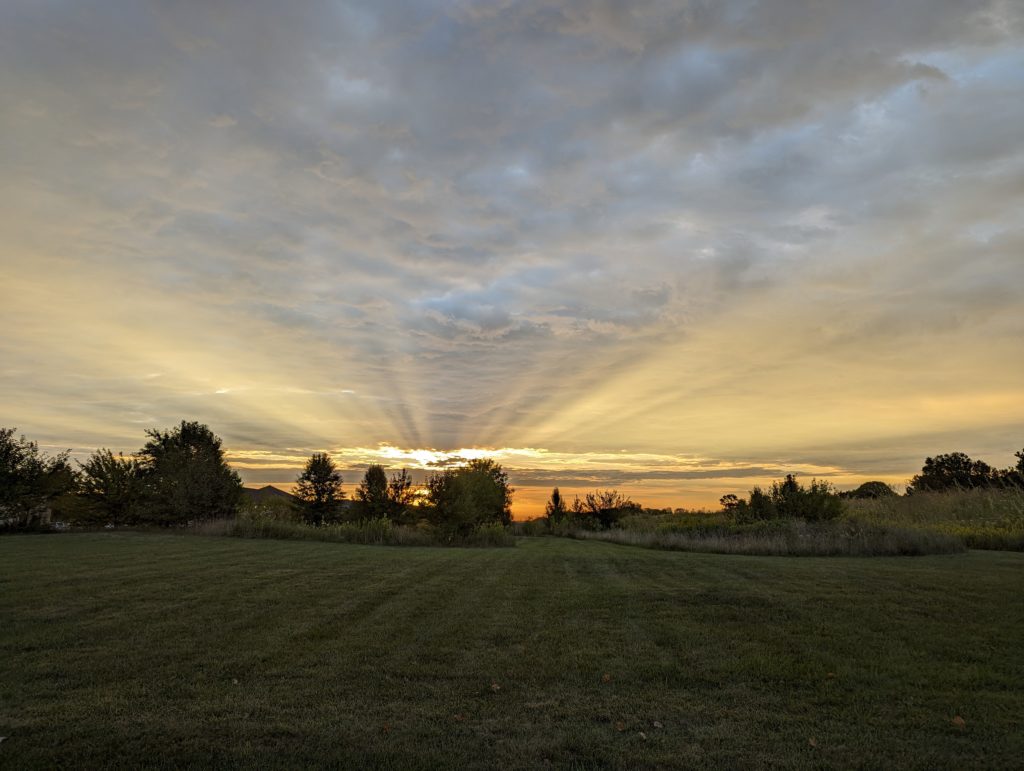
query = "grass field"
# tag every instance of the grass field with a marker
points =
(161, 650)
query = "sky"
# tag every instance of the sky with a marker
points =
(673, 248)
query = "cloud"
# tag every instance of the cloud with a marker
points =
(739, 229)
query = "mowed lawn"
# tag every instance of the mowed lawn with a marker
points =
(135, 649)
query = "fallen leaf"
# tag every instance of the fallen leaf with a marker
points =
(386, 728)
(813, 742)
(830, 675)
(958, 722)
(658, 724)
(234, 681)
(620, 726)
(460, 718)
(643, 736)
(495, 687)
(606, 678)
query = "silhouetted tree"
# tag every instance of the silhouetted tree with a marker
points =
(401, 496)
(185, 477)
(31, 482)
(372, 494)
(602, 509)
(870, 490)
(110, 489)
(729, 502)
(319, 488)
(788, 500)
(1013, 477)
(953, 471)
(556, 509)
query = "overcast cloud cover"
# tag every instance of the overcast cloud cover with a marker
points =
(686, 245)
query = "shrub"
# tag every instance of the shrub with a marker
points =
(787, 500)
(532, 527)
(870, 490)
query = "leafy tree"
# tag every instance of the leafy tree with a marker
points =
(185, 476)
(556, 509)
(816, 502)
(788, 500)
(319, 488)
(372, 494)
(110, 489)
(31, 482)
(870, 490)
(475, 494)
(400, 496)
(953, 471)
(602, 509)
(729, 502)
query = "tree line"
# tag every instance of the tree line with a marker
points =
(789, 498)
(180, 477)
(455, 500)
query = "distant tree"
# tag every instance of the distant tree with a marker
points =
(870, 490)
(788, 499)
(953, 471)
(602, 509)
(372, 494)
(401, 496)
(475, 494)
(185, 477)
(319, 488)
(110, 490)
(556, 510)
(1013, 477)
(729, 502)
(32, 483)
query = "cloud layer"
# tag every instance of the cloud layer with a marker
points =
(755, 233)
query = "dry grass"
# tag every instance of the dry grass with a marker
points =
(982, 519)
(379, 532)
(793, 538)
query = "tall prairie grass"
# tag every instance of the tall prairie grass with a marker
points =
(981, 518)
(788, 538)
(373, 531)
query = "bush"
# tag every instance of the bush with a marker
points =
(533, 527)
(787, 500)
(870, 490)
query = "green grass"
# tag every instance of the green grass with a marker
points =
(156, 650)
